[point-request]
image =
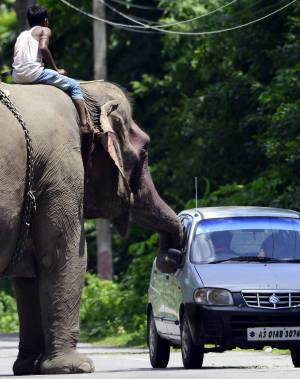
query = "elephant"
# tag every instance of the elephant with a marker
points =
(114, 183)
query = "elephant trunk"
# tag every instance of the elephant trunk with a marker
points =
(150, 211)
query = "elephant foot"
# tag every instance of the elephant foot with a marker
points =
(70, 362)
(29, 365)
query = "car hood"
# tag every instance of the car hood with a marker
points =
(248, 276)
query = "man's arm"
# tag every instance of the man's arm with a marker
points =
(46, 53)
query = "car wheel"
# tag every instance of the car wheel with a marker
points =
(295, 355)
(159, 348)
(192, 355)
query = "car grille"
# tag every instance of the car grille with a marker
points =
(272, 299)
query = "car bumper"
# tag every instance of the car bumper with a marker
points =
(226, 326)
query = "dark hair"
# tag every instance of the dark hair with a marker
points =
(36, 14)
(221, 238)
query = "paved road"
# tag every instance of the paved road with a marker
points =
(134, 364)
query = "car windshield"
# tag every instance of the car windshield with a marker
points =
(246, 238)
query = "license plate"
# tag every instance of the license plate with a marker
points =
(273, 334)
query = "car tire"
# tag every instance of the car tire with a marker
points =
(192, 355)
(295, 355)
(159, 348)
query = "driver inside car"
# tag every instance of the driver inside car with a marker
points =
(278, 245)
(221, 243)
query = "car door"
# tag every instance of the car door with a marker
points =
(173, 290)
(156, 298)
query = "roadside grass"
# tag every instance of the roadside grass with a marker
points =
(122, 340)
(281, 351)
(137, 341)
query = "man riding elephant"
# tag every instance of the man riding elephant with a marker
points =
(116, 185)
(32, 51)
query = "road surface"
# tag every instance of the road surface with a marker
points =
(114, 363)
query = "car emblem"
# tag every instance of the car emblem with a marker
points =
(274, 299)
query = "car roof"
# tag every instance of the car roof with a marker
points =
(228, 212)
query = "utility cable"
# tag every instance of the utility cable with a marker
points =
(97, 18)
(129, 28)
(141, 25)
(137, 6)
(134, 27)
(131, 18)
(135, 19)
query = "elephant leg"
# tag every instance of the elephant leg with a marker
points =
(31, 345)
(61, 257)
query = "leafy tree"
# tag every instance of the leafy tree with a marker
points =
(7, 33)
(214, 103)
(222, 107)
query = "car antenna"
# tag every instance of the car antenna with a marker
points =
(196, 191)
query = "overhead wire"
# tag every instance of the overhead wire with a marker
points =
(137, 6)
(136, 18)
(140, 24)
(160, 30)
(205, 32)
(106, 21)
(170, 24)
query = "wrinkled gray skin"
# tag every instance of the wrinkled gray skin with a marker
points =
(49, 280)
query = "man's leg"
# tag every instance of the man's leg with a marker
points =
(72, 87)
(82, 113)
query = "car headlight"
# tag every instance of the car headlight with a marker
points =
(213, 296)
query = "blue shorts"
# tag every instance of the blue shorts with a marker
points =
(68, 85)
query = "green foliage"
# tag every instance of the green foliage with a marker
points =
(8, 314)
(7, 33)
(225, 108)
(115, 309)
(100, 308)
(135, 285)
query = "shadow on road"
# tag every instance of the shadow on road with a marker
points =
(143, 369)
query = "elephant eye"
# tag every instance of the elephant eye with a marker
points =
(118, 126)
(118, 121)
(116, 118)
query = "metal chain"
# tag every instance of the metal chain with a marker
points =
(29, 205)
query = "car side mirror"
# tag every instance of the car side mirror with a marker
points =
(169, 262)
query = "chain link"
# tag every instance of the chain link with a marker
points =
(29, 205)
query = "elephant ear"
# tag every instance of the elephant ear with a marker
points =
(111, 145)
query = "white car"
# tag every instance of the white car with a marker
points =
(237, 284)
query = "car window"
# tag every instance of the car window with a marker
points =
(186, 223)
(242, 237)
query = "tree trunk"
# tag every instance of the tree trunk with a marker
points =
(21, 7)
(103, 227)
(100, 71)
(104, 250)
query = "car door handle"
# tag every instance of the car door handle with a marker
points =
(167, 277)
(155, 272)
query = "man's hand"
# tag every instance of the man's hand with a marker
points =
(61, 71)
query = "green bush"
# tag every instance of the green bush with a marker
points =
(111, 309)
(100, 308)
(135, 284)
(9, 322)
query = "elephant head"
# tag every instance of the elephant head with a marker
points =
(118, 182)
